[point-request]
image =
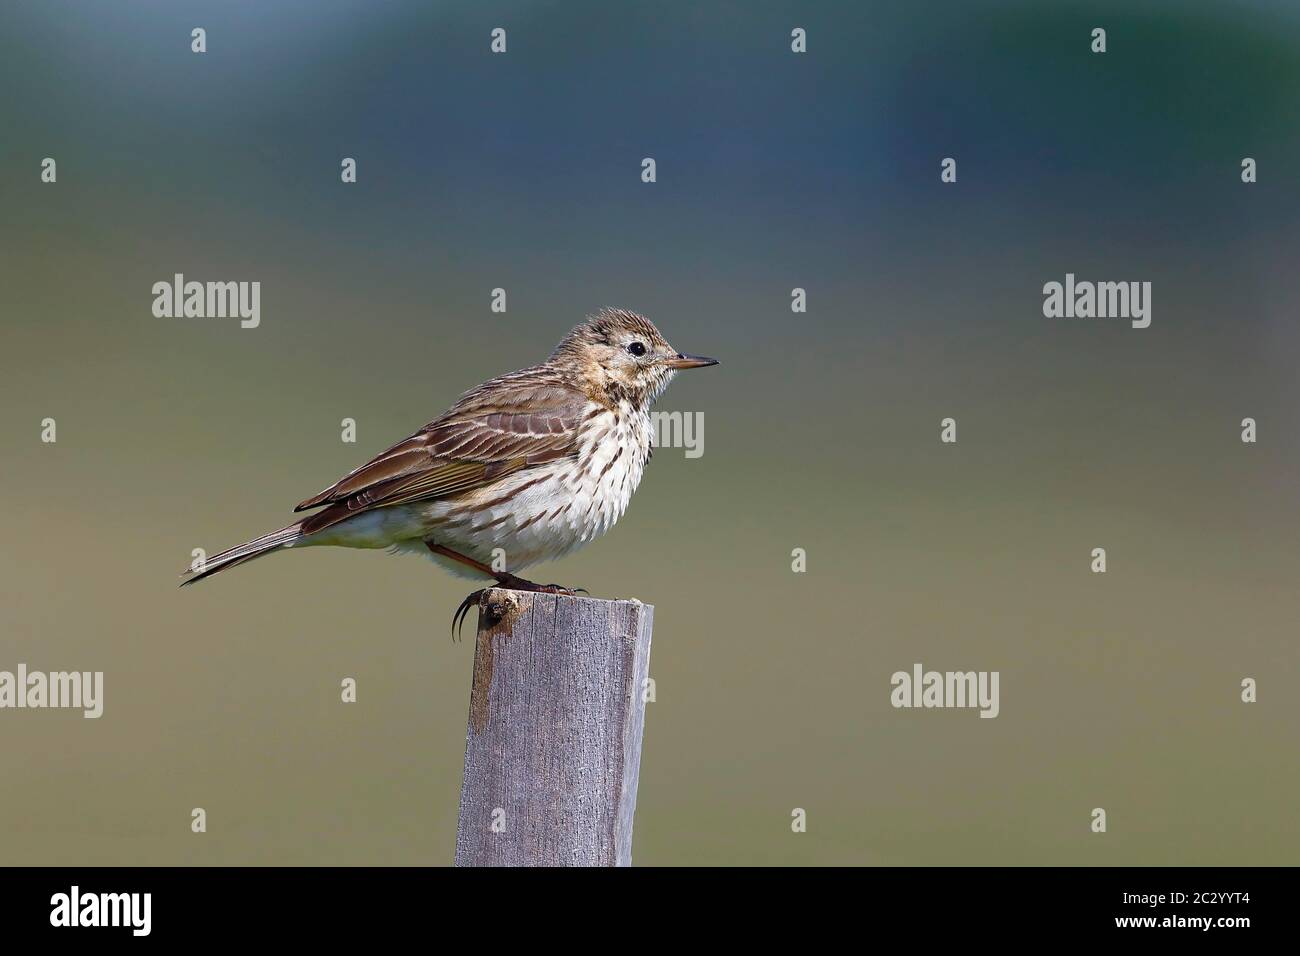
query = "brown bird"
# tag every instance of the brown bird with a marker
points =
(526, 467)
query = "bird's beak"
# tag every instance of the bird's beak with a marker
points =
(690, 361)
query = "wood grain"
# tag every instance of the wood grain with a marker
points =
(556, 717)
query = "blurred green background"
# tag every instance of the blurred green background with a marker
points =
(775, 170)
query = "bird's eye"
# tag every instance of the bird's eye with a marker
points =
(637, 349)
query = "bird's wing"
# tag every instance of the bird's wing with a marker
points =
(503, 426)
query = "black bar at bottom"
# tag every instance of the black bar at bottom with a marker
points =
(373, 905)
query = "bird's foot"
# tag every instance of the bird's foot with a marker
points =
(458, 618)
(512, 583)
(519, 584)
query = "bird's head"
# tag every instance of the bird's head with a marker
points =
(624, 355)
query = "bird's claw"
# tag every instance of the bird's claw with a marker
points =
(458, 619)
(511, 583)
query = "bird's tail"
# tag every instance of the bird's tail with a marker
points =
(284, 538)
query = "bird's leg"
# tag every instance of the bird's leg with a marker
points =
(503, 578)
(458, 618)
(463, 559)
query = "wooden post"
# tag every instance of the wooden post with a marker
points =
(555, 722)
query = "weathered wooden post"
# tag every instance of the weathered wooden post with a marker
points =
(555, 722)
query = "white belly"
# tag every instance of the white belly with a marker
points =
(537, 514)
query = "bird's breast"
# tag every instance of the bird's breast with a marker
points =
(545, 512)
(612, 450)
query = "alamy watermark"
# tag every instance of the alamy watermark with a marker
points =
(75, 908)
(1100, 300)
(208, 300)
(679, 430)
(77, 690)
(922, 688)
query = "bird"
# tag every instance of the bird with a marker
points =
(527, 467)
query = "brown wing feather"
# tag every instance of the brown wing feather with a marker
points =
(410, 454)
(513, 422)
